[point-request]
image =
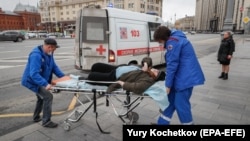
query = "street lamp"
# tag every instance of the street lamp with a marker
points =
(175, 17)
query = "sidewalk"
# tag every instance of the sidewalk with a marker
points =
(216, 102)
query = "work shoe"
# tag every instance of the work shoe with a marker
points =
(222, 75)
(225, 76)
(37, 120)
(152, 123)
(50, 124)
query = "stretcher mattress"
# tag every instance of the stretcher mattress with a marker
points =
(157, 91)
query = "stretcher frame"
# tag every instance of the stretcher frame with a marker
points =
(127, 115)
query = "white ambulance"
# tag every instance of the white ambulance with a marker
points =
(115, 36)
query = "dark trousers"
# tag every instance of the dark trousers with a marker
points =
(102, 67)
(102, 72)
(44, 103)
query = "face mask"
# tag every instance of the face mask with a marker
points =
(50, 53)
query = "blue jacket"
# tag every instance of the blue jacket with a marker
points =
(39, 70)
(182, 69)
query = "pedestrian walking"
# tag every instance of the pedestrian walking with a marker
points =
(225, 54)
(183, 72)
(37, 77)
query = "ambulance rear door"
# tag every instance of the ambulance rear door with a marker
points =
(93, 45)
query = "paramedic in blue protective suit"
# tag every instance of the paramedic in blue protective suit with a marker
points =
(37, 77)
(183, 72)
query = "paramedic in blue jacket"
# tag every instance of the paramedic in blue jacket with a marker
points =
(183, 72)
(37, 77)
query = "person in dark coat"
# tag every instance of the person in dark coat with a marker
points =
(108, 72)
(225, 54)
(137, 81)
(133, 77)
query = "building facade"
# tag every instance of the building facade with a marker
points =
(24, 17)
(60, 15)
(243, 8)
(186, 23)
(210, 15)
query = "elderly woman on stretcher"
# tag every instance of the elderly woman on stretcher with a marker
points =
(133, 77)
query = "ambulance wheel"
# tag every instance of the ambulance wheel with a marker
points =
(133, 116)
(66, 126)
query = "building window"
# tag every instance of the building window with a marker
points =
(73, 6)
(73, 12)
(142, 5)
(131, 5)
(61, 19)
(61, 13)
(54, 19)
(68, 18)
(67, 13)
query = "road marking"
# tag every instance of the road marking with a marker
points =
(10, 51)
(27, 114)
(24, 61)
(70, 107)
(18, 61)
(13, 58)
(73, 102)
(5, 67)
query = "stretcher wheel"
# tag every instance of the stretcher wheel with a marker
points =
(55, 91)
(133, 116)
(66, 126)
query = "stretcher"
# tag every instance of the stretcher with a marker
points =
(92, 90)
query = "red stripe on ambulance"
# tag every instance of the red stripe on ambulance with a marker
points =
(138, 51)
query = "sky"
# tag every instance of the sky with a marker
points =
(180, 8)
(9, 5)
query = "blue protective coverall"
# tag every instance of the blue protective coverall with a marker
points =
(39, 70)
(183, 72)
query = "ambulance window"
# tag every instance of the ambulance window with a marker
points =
(94, 30)
(152, 28)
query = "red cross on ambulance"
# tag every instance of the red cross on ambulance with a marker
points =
(101, 50)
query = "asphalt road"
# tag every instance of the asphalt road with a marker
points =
(17, 103)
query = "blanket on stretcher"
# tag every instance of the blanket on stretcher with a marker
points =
(157, 91)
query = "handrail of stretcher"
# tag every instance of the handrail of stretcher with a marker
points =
(72, 89)
(94, 91)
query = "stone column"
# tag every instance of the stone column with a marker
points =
(228, 23)
(247, 25)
